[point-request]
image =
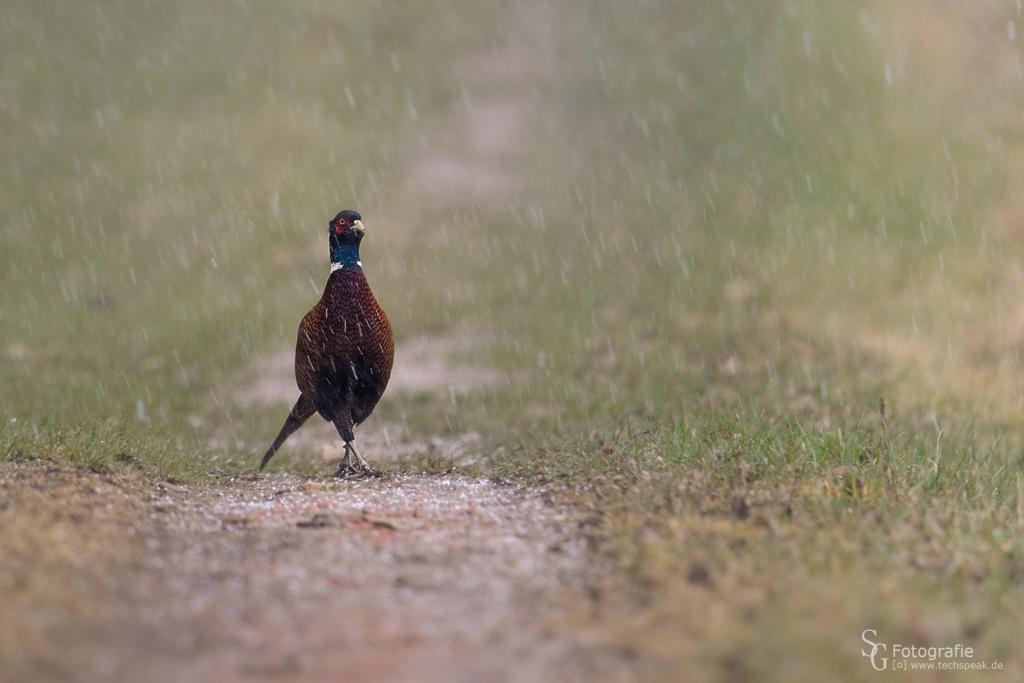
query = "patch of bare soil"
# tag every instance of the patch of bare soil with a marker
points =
(480, 154)
(419, 578)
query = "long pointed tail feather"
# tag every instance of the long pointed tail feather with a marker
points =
(300, 413)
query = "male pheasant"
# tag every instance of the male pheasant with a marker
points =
(345, 350)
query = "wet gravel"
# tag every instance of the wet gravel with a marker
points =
(416, 578)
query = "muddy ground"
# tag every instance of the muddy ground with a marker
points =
(108, 578)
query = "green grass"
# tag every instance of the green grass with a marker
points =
(102, 447)
(757, 222)
(760, 548)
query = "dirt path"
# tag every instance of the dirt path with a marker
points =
(419, 578)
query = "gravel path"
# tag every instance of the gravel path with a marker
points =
(415, 579)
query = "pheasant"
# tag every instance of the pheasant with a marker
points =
(345, 350)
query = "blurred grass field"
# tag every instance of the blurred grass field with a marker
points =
(706, 239)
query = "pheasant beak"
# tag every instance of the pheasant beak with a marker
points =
(358, 228)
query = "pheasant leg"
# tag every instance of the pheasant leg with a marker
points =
(345, 468)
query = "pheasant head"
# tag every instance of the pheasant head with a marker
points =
(346, 230)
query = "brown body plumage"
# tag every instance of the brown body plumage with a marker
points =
(345, 350)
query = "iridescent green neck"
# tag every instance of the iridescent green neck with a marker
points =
(345, 256)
